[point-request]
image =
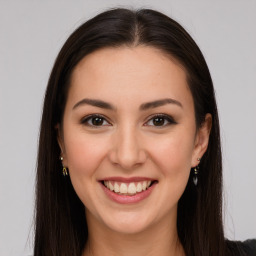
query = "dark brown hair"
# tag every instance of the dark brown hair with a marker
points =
(60, 225)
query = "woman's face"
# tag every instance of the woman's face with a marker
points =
(129, 137)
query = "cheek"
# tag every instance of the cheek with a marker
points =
(84, 153)
(173, 154)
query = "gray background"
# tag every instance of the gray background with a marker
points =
(31, 34)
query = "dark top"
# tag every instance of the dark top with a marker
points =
(246, 248)
(237, 248)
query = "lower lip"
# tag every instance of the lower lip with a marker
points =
(125, 199)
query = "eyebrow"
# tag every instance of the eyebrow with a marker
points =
(159, 103)
(143, 107)
(95, 103)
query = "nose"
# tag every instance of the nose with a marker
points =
(127, 149)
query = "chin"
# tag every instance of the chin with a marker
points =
(128, 228)
(128, 223)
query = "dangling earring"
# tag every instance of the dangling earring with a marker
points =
(196, 169)
(64, 169)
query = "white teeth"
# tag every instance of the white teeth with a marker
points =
(111, 187)
(139, 187)
(132, 188)
(116, 187)
(123, 188)
(144, 185)
(127, 188)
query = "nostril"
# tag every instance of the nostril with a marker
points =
(127, 155)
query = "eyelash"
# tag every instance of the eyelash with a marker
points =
(86, 120)
(168, 120)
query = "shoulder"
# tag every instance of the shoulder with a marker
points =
(250, 247)
(238, 248)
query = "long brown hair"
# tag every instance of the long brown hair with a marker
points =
(60, 224)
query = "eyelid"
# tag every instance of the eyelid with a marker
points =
(85, 119)
(169, 118)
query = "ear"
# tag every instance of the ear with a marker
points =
(202, 139)
(60, 140)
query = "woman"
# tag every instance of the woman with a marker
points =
(129, 159)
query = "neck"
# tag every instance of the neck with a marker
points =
(158, 240)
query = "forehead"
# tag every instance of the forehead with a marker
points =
(127, 60)
(124, 72)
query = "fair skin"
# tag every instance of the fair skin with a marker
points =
(131, 142)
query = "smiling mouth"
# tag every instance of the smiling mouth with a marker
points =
(128, 189)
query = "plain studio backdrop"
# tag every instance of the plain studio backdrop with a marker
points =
(31, 34)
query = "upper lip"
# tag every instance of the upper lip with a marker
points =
(127, 180)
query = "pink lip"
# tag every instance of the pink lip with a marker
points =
(126, 199)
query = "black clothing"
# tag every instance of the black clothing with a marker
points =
(246, 248)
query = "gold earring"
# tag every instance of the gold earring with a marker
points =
(64, 169)
(195, 178)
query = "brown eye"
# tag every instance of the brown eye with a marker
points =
(95, 120)
(160, 120)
